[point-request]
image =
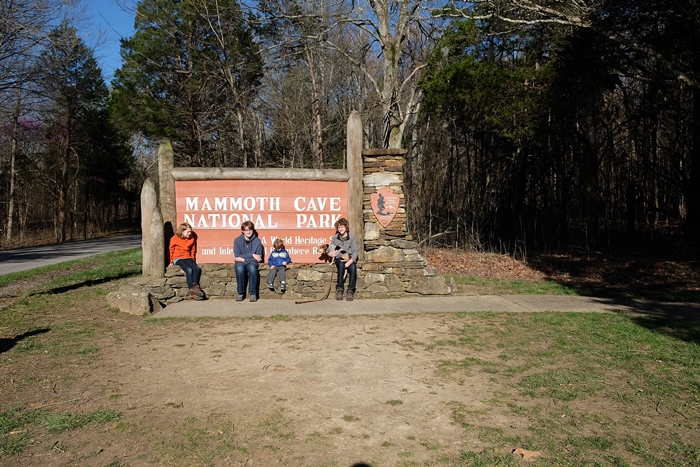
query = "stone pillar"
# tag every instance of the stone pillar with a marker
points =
(166, 163)
(149, 204)
(354, 162)
(166, 183)
(383, 168)
(157, 264)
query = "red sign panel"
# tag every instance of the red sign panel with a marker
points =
(301, 213)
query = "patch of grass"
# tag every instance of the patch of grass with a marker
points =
(561, 384)
(103, 267)
(275, 425)
(350, 418)
(28, 345)
(15, 419)
(16, 425)
(429, 446)
(500, 286)
(87, 350)
(281, 318)
(578, 381)
(487, 458)
(194, 442)
(72, 421)
(394, 402)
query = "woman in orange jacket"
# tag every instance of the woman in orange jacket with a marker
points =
(183, 253)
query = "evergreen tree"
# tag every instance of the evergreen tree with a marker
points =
(190, 72)
(80, 142)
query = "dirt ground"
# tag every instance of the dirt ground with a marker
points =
(302, 392)
(336, 391)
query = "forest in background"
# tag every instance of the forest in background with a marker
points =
(530, 125)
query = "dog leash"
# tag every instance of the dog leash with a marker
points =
(328, 292)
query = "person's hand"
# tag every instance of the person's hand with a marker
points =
(257, 258)
(333, 253)
(272, 267)
(284, 263)
(239, 260)
(349, 262)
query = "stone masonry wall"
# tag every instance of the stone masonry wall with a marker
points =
(383, 169)
(393, 271)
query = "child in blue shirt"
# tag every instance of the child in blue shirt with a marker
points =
(278, 260)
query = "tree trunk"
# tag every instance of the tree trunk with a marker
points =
(692, 225)
(317, 108)
(590, 171)
(241, 137)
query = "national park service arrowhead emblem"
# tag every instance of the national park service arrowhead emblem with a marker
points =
(384, 203)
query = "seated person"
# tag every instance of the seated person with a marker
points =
(342, 243)
(247, 252)
(278, 261)
(183, 253)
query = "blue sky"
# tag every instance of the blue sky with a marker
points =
(116, 23)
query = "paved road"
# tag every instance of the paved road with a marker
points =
(34, 257)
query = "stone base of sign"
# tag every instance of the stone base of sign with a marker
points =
(387, 272)
(383, 169)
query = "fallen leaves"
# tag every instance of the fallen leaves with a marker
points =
(526, 455)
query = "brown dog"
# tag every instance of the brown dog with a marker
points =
(323, 248)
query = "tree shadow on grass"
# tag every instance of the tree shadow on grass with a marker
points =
(632, 277)
(88, 283)
(7, 344)
(685, 330)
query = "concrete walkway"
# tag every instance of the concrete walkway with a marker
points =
(434, 304)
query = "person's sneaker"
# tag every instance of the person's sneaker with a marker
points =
(253, 298)
(338, 294)
(271, 286)
(283, 287)
(240, 297)
(350, 295)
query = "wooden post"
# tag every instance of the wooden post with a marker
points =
(166, 163)
(157, 266)
(355, 190)
(149, 204)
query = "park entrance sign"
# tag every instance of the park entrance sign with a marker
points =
(300, 213)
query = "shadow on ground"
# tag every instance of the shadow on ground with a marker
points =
(678, 329)
(7, 344)
(643, 278)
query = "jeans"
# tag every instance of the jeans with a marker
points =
(192, 270)
(280, 272)
(352, 272)
(251, 270)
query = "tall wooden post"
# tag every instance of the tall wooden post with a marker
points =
(355, 190)
(166, 164)
(149, 204)
(158, 262)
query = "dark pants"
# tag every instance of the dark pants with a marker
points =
(280, 272)
(192, 270)
(352, 272)
(251, 270)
